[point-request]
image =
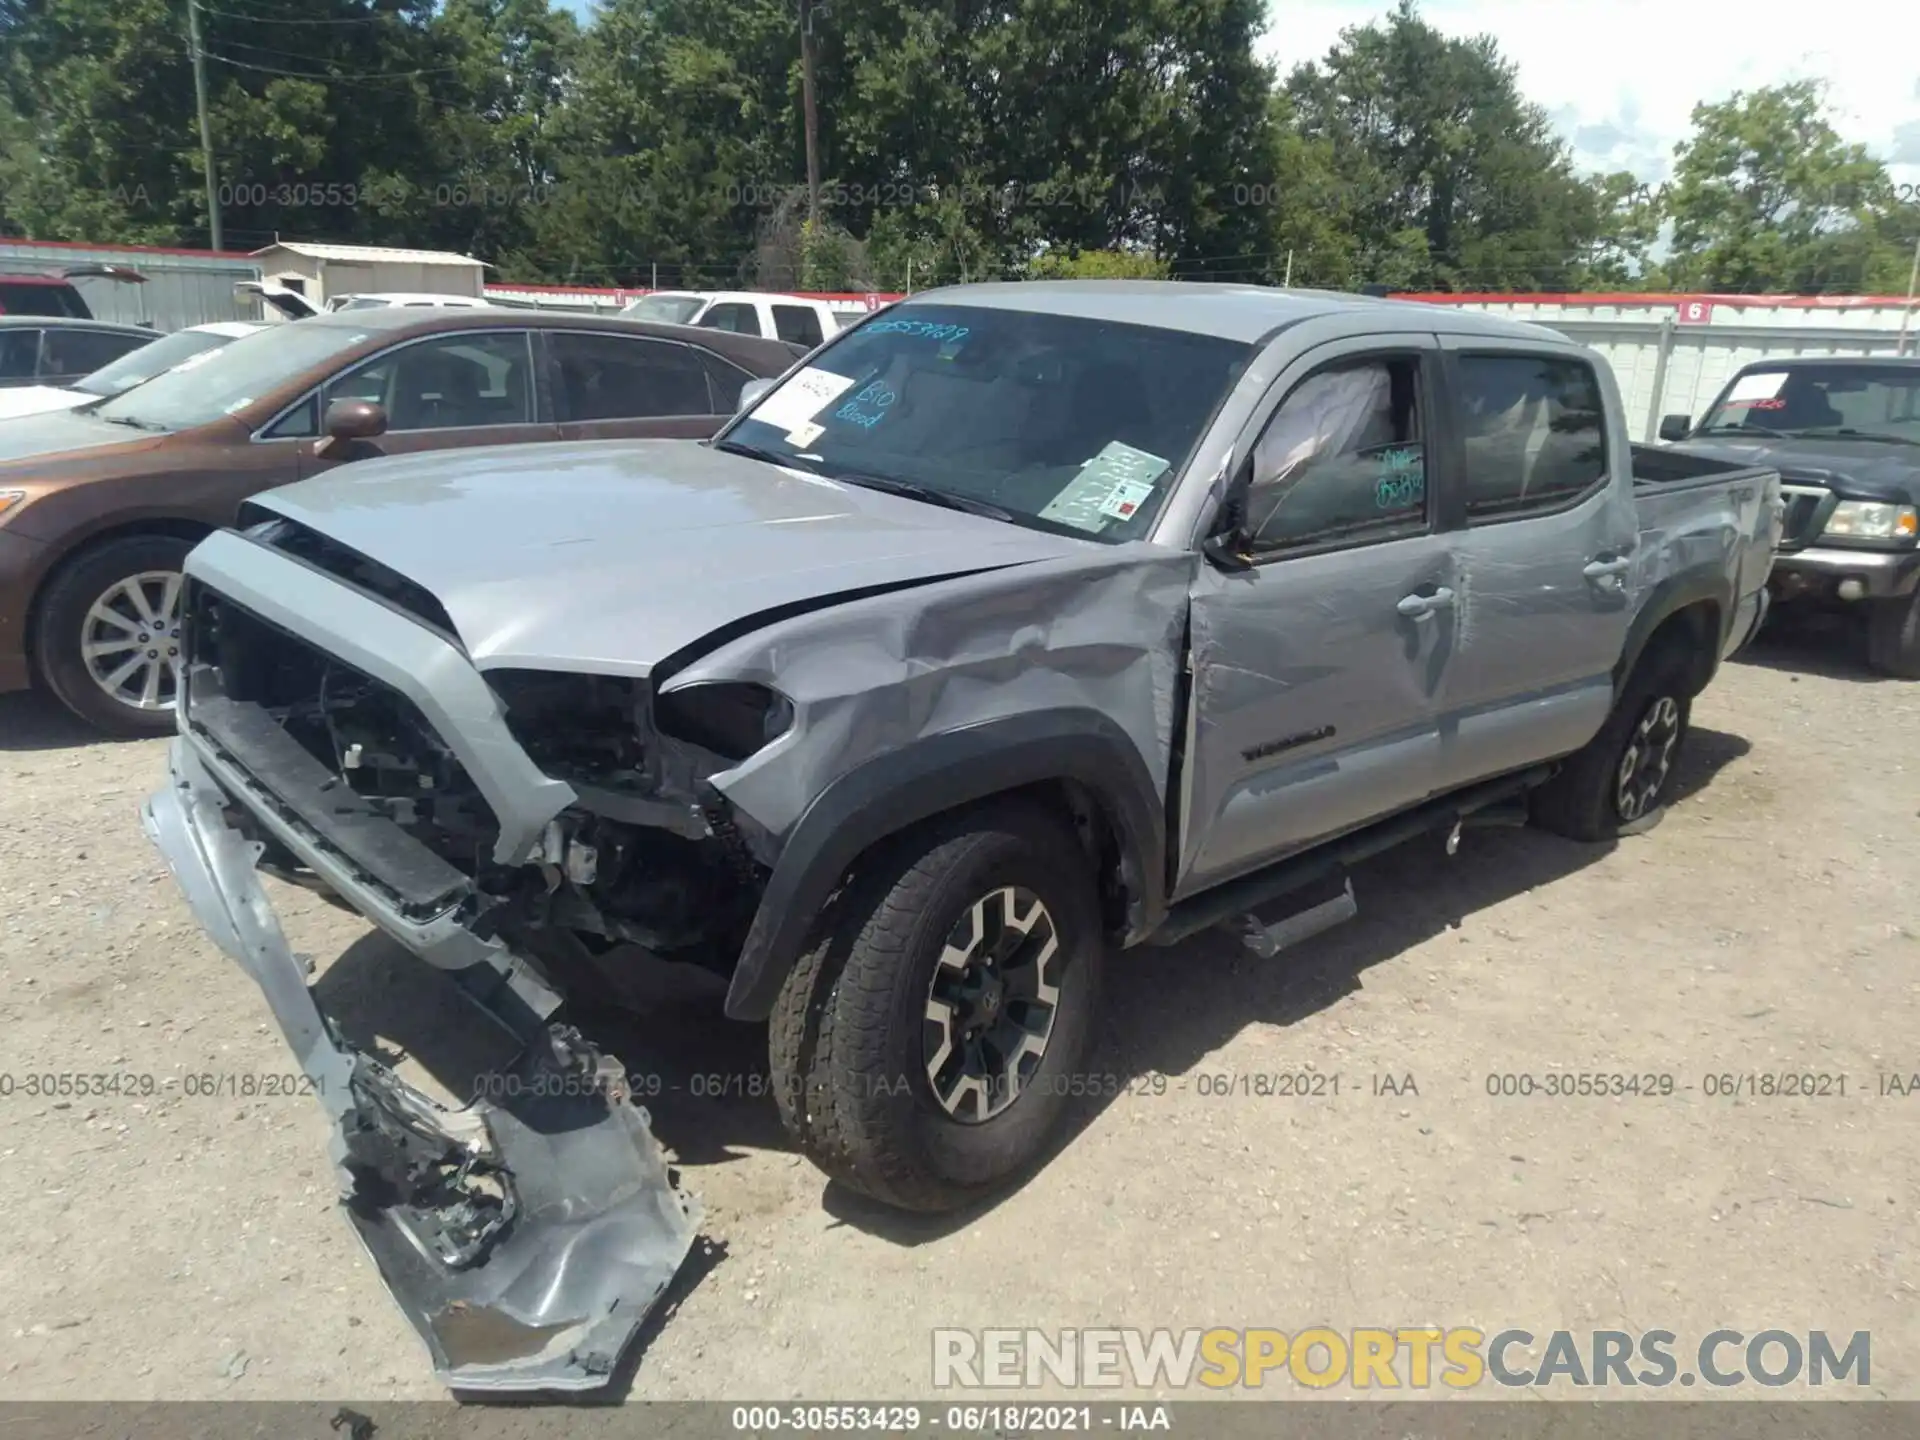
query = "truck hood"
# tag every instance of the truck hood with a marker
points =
(608, 557)
(1853, 469)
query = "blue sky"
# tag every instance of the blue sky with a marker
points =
(1621, 77)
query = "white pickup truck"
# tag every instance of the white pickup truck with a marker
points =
(802, 319)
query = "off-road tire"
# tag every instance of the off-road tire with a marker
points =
(1581, 802)
(58, 632)
(846, 1039)
(1893, 637)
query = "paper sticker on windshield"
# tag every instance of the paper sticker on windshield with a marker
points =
(795, 403)
(1763, 386)
(1123, 502)
(806, 434)
(1113, 485)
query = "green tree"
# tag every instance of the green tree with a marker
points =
(1766, 196)
(1097, 265)
(1451, 179)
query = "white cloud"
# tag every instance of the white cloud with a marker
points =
(1621, 79)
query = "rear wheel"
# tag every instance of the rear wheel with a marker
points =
(1893, 637)
(1624, 773)
(108, 638)
(925, 1047)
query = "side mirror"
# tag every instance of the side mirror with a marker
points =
(1227, 551)
(1675, 427)
(1226, 548)
(348, 421)
(751, 393)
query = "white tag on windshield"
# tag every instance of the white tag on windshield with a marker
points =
(804, 396)
(1763, 386)
(1113, 485)
(806, 434)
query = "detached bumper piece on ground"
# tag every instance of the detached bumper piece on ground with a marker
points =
(527, 1239)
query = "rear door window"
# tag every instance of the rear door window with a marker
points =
(19, 353)
(798, 324)
(611, 377)
(1534, 434)
(70, 354)
(21, 298)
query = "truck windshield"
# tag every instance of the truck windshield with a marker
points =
(229, 380)
(1052, 421)
(1863, 401)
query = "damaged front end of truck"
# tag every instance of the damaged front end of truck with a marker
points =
(544, 835)
(527, 1234)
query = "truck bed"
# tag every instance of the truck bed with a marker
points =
(1658, 465)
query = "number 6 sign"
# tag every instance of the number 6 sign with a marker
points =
(1695, 312)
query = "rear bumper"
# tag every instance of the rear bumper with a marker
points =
(526, 1240)
(1821, 569)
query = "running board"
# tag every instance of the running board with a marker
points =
(1329, 862)
(1267, 941)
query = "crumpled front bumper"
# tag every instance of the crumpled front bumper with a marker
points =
(527, 1238)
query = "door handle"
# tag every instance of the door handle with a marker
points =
(1421, 606)
(1602, 569)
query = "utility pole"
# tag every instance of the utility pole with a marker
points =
(1913, 284)
(206, 131)
(813, 124)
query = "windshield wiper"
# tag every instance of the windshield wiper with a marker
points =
(758, 452)
(966, 504)
(1726, 427)
(1847, 432)
(135, 423)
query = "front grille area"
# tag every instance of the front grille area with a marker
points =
(349, 757)
(350, 567)
(1807, 505)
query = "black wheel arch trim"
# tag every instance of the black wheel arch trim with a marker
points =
(1669, 598)
(930, 777)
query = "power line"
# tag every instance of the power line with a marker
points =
(372, 80)
(251, 19)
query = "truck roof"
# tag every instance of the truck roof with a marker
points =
(1841, 362)
(1231, 312)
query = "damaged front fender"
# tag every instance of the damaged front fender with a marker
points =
(525, 1239)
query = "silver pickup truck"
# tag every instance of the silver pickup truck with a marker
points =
(1015, 624)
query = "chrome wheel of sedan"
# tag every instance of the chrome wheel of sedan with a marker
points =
(130, 640)
(991, 1004)
(1648, 759)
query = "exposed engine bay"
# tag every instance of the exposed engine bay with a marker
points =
(648, 862)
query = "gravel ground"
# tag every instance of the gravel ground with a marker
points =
(188, 1247)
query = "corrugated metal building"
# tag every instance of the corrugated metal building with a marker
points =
(183, 287)
(1673, 353)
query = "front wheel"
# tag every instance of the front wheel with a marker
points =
(1625, 773)
(108, 638)
(1893, 637)
(927, 1045)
